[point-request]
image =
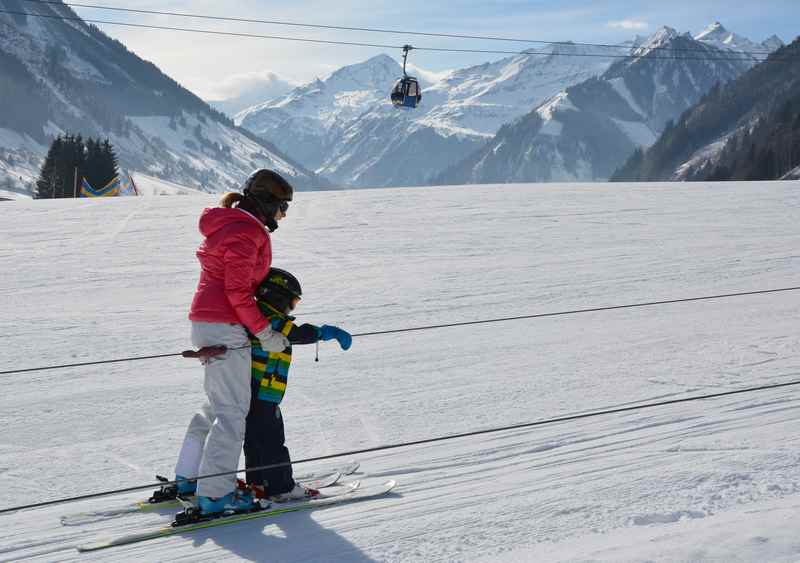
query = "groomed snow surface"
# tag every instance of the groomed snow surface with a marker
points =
(713, 480)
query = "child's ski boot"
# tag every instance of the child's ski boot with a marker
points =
(299, 492)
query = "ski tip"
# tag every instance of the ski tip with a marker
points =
(68, 521)
(97, 546)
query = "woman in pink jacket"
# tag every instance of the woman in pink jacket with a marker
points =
(234, 257)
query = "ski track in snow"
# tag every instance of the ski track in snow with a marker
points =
(110, 279)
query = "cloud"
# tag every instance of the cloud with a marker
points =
(427, 76)
(635, 25)
(240, 84)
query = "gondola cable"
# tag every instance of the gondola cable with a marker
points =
(366, 29)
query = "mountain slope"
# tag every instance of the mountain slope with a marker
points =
(749, 129)
(66, 76)
(586, 131)
(345, 127)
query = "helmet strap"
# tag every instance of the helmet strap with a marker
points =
(279, 301)
(269, 218)
(271, 224)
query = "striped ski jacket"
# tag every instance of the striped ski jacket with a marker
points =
(271, 369)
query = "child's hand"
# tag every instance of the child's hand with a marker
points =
(329, 332)
(272, 341)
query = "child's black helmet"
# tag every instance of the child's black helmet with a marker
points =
(280, 289)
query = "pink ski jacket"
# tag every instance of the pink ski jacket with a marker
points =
(235, 257)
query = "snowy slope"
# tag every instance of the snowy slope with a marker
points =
(20, 161)
(345, 128)
(10, 195)
(793, 175)
(151, 186)
(705, 481)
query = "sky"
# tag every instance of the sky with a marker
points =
(219, 67)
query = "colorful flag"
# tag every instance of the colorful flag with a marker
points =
(127, 185)
(109, 190)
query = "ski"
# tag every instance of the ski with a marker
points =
(351, 493)
(82, 518)
(347, 468)
(318, 479)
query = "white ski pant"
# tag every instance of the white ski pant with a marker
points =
(213, 442)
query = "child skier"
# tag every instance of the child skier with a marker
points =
(264, 442)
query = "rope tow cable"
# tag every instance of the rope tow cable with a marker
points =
(567, 418)
(465, 323)
(579, 311)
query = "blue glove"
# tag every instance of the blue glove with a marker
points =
(328, 332)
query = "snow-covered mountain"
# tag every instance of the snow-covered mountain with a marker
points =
(310, 119)
(747, 130)
(63, 76)
(586, 131)
(345, 127)
(716, 34)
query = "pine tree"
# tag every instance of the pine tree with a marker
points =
(64, 164)
(110, 162)
(630, 171)
(770, 165)
(720, 173)
(93, 169)
(785, 113)
(46, 184)
(69, 167)
(101, 163)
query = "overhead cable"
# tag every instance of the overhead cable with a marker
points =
(362, 29)
(448, 325)
(567, 418)
(528, 52)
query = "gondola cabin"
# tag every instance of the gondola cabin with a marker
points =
(406, 93)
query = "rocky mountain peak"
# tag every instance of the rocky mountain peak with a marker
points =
(714, 31)
(661, 38)
(773, 43)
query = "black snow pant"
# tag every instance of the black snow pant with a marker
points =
(264, 444)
